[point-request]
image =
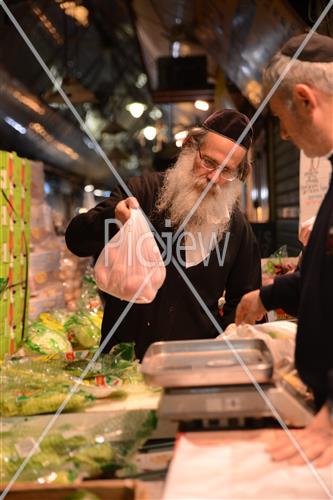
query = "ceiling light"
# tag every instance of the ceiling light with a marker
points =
(136, 109)
(98, 192)
(48, 25)
(202, 105)
(180, 136)
(150, 133)
(179, 143)
(89, 188)
(141, 80)
(78, 12)
(156, 114)
(13, 123)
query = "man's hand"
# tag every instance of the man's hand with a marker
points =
(305, 230)
(316, 440)
(250, 309)
(123, 208)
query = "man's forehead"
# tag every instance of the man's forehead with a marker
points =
(220, 143)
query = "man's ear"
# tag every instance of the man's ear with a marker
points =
(304, 98)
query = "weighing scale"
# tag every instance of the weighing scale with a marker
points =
(203, 380)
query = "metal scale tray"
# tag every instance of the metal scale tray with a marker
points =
(203, 379)
(206, 363)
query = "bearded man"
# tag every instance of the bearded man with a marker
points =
(218, 251)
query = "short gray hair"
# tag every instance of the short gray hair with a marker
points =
(315, 74)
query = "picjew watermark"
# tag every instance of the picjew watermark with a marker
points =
(137, 248)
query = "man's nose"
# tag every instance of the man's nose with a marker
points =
(214, 176)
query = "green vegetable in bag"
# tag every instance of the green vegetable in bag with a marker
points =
(85, 328)
(41, 402)
(42, 340)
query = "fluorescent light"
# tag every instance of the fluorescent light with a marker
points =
(15, 125)
(136, 109)
(202, 105)
(89, 188)
(150, 133)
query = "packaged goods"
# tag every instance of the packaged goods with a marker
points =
(40, 384)
(42, 229)
(36, 403)
(47, 299)
(43, 270)
(84, 328)
(41, 339)
(15, 176)
(130, 266)
(73, 451)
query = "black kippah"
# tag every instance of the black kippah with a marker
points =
(230, 124)
(319, 48)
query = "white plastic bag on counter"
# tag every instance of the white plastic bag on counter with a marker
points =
(130, 266)
(279, 337)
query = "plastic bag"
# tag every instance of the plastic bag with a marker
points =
(41, 339)
(84, 328)
(87, 447)
(279, 336)
(131, 267)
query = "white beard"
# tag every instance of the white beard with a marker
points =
(181, 190)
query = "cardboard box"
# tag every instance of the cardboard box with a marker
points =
(15, 177)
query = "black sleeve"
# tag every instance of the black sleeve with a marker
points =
(245, 275)
(85, 233)
(283, 293)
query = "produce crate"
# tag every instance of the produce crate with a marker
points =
(15, 177)
(105, 490)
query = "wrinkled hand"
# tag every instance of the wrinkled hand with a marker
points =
(316, 440)
(123, 208)
(250, 309)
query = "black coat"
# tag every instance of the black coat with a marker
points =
(175, 313)
(308, 294)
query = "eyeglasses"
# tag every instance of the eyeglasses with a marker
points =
(212, 165)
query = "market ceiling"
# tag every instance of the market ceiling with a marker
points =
(101, 52)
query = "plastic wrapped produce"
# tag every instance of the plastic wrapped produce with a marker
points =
(130, 266)
(73, 451)
(48, 401)
(89, 298)
(41, 339)
(84, 328)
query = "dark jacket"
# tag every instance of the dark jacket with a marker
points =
(175, 313)
(308, 294)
